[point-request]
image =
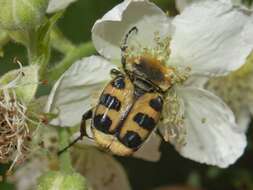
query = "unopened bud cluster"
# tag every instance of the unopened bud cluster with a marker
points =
(22, 14)
(61, 181)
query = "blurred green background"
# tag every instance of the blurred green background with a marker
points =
(172, 168)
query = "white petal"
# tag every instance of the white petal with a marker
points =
(150, 149)
(108, 32)
(101, 170)
(196, 81)
(73, 94)
(248, 31)
(57, 5)
(26, 176)
(209, 38)
(212, 135)
(243, 119)
(251, 108)
(182, 4)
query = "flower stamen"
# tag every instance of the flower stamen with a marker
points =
(13, 128)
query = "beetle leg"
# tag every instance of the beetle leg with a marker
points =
(87, 115)
(116, 72)
(158, 132)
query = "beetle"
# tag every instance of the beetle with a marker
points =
(130, 106)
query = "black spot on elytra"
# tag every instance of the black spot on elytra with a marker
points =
(102, 123)
(131, 139)
(144, 121)
(118, 83)
(156, 104)
(110, 102)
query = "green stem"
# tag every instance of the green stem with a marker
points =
(60, 42)
(77, 53)
(32, 47)
(35, 53)
(65, 159)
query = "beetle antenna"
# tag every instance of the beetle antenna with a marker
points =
(124, 45)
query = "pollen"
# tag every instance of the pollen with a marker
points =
(173, 119)
(160, 50)
(153, 61)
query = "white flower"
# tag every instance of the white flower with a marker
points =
(192, 115)
(244, 5)
(236, 90)
(24, 178)
(101, 170)
(181, 4)
(57, 5)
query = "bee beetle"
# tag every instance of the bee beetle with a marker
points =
(130, 105)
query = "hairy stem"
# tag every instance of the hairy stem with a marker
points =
(32, 47)
(65, 160)
(60, 42)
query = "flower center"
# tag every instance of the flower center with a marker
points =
(151, 62)
(173, 119)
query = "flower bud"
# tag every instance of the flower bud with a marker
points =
(20, 14)
(60, 181)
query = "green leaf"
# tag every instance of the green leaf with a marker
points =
(22, 15)
(43, 39)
